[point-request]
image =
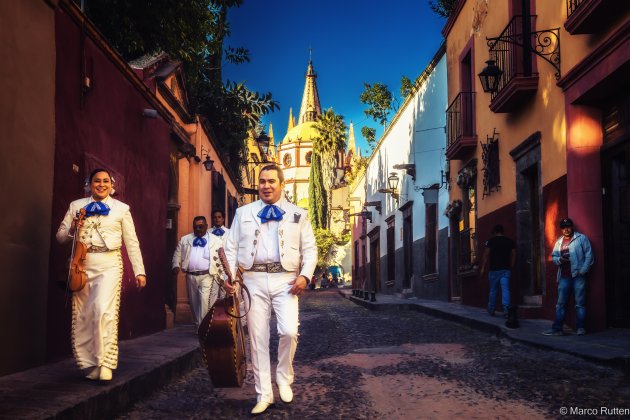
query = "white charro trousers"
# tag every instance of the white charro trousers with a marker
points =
(271, 290)
(95, 311)
(202, 293)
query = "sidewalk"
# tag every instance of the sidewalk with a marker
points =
(610, 347)
(60, 391)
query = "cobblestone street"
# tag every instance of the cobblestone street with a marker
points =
(355, 363)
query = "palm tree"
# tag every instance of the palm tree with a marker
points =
(331, 140)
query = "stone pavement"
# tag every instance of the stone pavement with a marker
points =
(610, 347)
(148, 363)
(59, 390)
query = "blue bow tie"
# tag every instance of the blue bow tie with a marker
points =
(218, 231)
(270, 212)
(96, 208)
(200, 242)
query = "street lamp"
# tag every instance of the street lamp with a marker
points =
(263, 142)
(392, 182)
(208, 163)
(490, 77)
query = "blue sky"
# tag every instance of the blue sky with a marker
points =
(352, 42)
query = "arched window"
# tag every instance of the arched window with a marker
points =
(309, 155)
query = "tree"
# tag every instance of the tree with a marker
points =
(369, 134)
(317, 203)
(406, 86)
(192, 31)
(443, 7)
(330, 141)
(379, 100)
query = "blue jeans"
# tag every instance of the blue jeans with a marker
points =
(495, 278)
(565, 287)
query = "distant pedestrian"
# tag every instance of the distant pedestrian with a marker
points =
(573, 255)
(500, 254)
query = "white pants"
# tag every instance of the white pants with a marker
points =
(95, 310)
(202, 293)
(271, 291)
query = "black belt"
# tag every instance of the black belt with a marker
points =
(198, 273)
(274, 267)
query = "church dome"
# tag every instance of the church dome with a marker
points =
(301, 133)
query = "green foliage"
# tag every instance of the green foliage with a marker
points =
(358, 166)
(330, 140)
(369, 134)
(443, 7)
(379, 99)
(327, 242)
(192, 31)
(406, 86)
(317, 203)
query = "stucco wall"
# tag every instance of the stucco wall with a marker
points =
(27, 133)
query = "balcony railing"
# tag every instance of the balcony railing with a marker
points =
(512, 53)
(572, 6)
(460, 126)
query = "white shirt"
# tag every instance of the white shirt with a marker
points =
(200, 256)
(93, 237)
(268, 247)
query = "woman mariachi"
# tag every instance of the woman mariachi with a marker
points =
(95, 307)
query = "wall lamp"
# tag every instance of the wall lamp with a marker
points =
(410, 168)
(263, 141)
(208, 163)
(490, 77)
(376, 204)
(392, 183)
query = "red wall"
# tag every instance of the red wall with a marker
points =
(107, 129)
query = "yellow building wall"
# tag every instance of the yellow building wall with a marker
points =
(545, 112)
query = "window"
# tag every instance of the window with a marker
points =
(391, 249)
(309, 156)
(467, 180)
(407, 211)
(287, 160)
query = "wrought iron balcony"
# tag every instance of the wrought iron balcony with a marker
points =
(512, 51)
(460, 126)
(592, 16)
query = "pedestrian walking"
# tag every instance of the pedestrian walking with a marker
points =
(95, 307)
(273, 242)
(500, 255)
(194, 255)
(573, 255)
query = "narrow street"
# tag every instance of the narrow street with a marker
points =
(353, 363)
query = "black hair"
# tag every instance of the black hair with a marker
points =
(274, 167)
(218, 211)
(497, 229)
(200, 218)
(97, 170)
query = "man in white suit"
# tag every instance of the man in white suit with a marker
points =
(273, 242)
(193, 255)
(218, 228)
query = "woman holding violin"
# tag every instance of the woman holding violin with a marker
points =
(97, 262)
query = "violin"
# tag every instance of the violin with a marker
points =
(76, 273)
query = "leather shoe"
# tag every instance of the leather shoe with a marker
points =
(260, 407)
(94, 373)
(106, 374)
(286, 393)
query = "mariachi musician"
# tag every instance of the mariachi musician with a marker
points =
(273, 242)
(95, 307)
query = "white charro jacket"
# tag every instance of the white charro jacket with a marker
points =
(298, 250)
(114, 228)
(181, 257)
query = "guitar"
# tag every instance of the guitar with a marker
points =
(221, 335)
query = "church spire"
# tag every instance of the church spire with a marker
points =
(311, 108)
(271, 152)
(351, 142)
(291, 120)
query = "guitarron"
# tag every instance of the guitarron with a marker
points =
(222, 338)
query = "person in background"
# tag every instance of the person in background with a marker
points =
(500, 256)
